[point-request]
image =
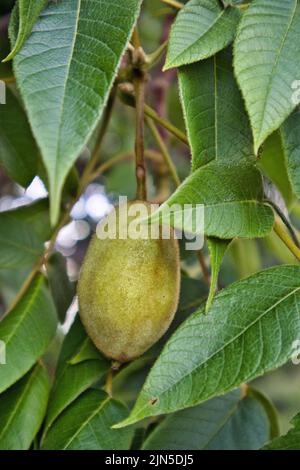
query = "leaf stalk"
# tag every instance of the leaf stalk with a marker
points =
(174, 4)
(284, 237)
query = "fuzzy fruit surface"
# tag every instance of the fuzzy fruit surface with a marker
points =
(128, 290)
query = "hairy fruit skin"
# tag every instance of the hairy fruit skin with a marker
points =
(128, 292)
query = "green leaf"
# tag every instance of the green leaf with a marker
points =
(232, 198)
(27, 12)
(217, 249)
(86, 351)
(267, 53)
(22, 410)
(223, 423)
(61, 288)
(290, 135)
(291, 441)
(217, 123)
(238, 2)
(201, 29)
(65, 72)
(269, 409)
(272, 163)
(11, 281)
(23, 232)
(27, 331)
(86, 425)
(72, 380)
(250, 330)
(72, 342)
(19, 154)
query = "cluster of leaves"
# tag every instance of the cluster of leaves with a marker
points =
(237, 72)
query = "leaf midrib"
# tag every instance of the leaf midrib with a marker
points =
(56, 162)
(20, 400)
(23, 24)
(86, 422)
(223, 423)
(216, 107)
(34, 295)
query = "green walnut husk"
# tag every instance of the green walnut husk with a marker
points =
(128, 288)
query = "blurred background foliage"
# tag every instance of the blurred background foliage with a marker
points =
(244, 256)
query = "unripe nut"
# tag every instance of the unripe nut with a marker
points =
(128, 291)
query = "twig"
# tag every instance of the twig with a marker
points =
(139, 139)
(149, 154)
(166, 124)
(163, 148)
(139, 81)
(129, 100)
(109, 164)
